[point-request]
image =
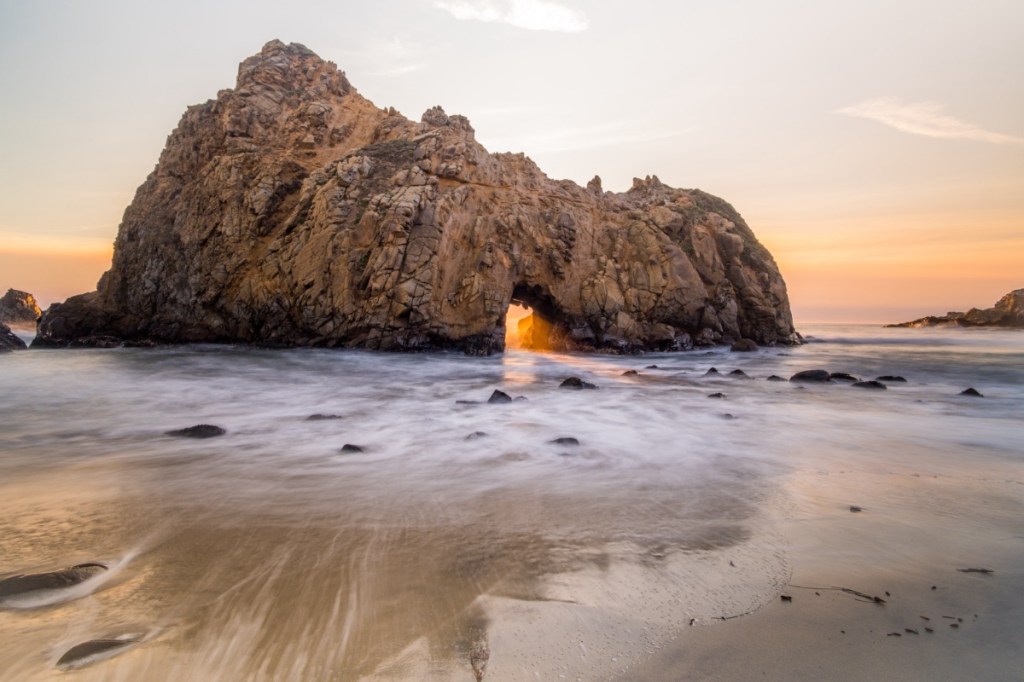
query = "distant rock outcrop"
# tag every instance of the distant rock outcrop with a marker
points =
(292, 211)
(1007, 312)
(19, 309)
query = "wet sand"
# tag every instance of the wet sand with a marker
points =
(656, 549)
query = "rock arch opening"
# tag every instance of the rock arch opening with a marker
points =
(533, 321)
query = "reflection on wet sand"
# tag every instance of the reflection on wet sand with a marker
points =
(512, 580)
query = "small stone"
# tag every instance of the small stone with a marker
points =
(775, 377)
(197, 431)
(322, 417)
(476, 434)
(576, 383)
(499, 397)
(876, 385)
(785, 597)
(566, 440)
(973, 392)
(717, 395)
(739, 374)
(630, 373)
(891, 378)
(349, 447)
(854, 508)
(82, 654)
(812, 375)
(711, 372)
(842, 376)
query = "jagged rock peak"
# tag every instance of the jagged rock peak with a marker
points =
(292, 211)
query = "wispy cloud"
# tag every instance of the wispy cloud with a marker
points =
(925, 118)
(590, 137)
(534, 15)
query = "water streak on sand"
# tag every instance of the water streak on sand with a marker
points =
(270, 554)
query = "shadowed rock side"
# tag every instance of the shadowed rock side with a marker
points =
(292, 211)
(9, 340)
(1007, 312)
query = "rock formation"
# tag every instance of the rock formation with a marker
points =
(1007, 312)
(19, 309)
(292, 211)
(9, 340)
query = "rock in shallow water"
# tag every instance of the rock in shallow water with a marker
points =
(812, 375)
(566, 440)
(842, 376)
(338, 224)
(322, 417)
(9, 340)
(744, 346)
(972, 392)
(876, 385)
(499, 397)
(349, 447)
(197, 431)
(890, 378)
(576, 383)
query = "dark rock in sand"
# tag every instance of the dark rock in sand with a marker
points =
(576, 383)
(322, 417)
(973, 392)
(499, 397)
(84, 653)
(842, 376)
(728, 415)
(197, 431)
(812, 375)
(877, 385)
(775, 377)
(52, 580)
(9, 340)
(889, 378)
(744, 346)
(711, 372)
(476, 434)
(630, 373)
(348, 447)
(854, 508)
(717, 395)
(566, 440)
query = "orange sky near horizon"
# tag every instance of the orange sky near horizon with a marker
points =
(885, 182)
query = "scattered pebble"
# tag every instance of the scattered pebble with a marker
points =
(855, 509)
(349, 447)
(197, 431)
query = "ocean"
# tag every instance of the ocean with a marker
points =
(463, 539)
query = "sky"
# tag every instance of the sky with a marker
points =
(875, 147)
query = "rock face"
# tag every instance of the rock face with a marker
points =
(9, 340)
(1007, 312)
(292, 211)
(19, 309)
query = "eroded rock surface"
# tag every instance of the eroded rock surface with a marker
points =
(19, 309)
(292, 211)
(1007, 312)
